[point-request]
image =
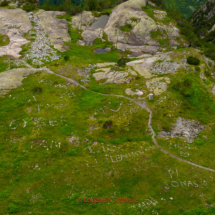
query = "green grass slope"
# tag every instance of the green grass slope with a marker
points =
(62, 145)
(186, 7)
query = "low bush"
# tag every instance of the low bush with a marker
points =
(126, 28)
(29, 7)
(66, 58)
(108, 124)
(122, 61)
(193, 61)
(72, 152)
(37, 90)
(184, 88)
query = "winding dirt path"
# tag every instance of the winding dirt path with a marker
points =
(143, 105)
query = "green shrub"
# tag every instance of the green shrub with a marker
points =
(72, 152)
(210, 52)
(126, 28)
(37, 90)
(207, 73)
(29, 7)
(4, 3)
(184, 88)
(66, 58)
(193, 61)
(122, 61)
(108, 124)
(97, 14)
(11, 208)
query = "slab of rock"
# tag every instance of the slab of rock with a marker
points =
(89, 35)
(104, 69)
(81, 43)
(12, 79)
(139, 37)
(115, 77)
(14, 23)
(132, 72)
(152, 49)
(165, 67)
(83, 20)
(100, 65)
(184, 128)
(40, 50)
(129, 92)
(159, 14)
(142, 66)
(56, 29)
(158, 85)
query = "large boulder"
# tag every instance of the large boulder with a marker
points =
(14, 23)
(139, 37)
(83, 20)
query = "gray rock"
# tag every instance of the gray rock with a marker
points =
(184, 128)
(150, 96)
(40, 49)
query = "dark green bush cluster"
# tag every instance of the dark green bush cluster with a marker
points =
(66, 58)
(76, 6)
(72, 152)
(122, 61)
(4, 3)
(37, 90)
(29, 6)
(126, 27)
(193, 60)
(108, 124)
(185, 88)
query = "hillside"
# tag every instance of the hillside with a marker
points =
(186, 7)
(104, 112)
(204, 18)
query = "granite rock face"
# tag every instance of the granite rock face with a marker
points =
(143, 66)
(14, 23)
(115, 77)
(136, 39)
(158, 85)
(56, 29)
(83, 20)
(130, 13)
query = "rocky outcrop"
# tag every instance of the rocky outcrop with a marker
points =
(115, 77)
(14, 23)
(56, 29)
(83, 20)
(143, 66)
(184, 128)
(12, 79)
(129, 27)
(40, 50)
(139, 38)
(130, 92)
(165, 67)
(157, 85)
